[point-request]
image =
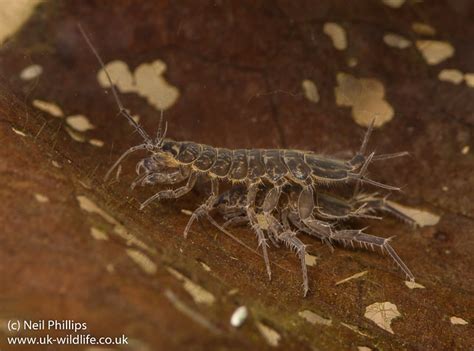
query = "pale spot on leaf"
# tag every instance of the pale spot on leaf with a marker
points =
(41, 198)
(363, 348)
(31, 72)
(465, 150)
(422, 218)
(98, 234)
(48, 107)
(310, 260)
(96, 142)
(435, 51)
(395, 4)
(366, 96)
(271, 336)
(337, 35)
(354, 276)
(352, 62)
(80, 123)
(310, 90)
(382, 314)
(13, 15)
(458, 321)
(197, 292)
(423, 28)
(205, 266)
(451, 75)
(413, 285)
(314, 318)
(147, 81)
(396, 41)
(75, 135)
(469, 78)
(142, 260)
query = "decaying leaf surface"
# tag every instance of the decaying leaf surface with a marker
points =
(239, 72)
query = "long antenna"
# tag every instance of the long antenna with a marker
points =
(122, 110)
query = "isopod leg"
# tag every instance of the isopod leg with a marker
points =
(262, 241)
(290, 239)
(206, 207)
(364, 240)
(172, 194)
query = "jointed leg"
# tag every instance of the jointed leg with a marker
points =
(206, 207)
(363, 239)
(172, 194)
(252, 216)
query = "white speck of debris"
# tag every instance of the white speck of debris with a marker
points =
(435, 51)
(239, 316)
(354, 276)
(423, 28)
(454, 76)
(147, 81)
(421, 217)
(41, 198)
(75, 135)
(396, 41)
(98, 234)
(310, 90)
(186, 212)
(13, 15)
(197, 292)
(270, 335)
(31, 72)
(56, 164)
(366, 96)
(413, 285)
(395, 4)
(363, 348)
(19, 132)
(445, 188)
(337, 35)
(96, 142)
(80, 123)
(142, 260)
(205, 266)
(48, 107)
(469, 78)
(382, 314)
(465, 150)
(458, 321)
(310, 260)
(314, 318)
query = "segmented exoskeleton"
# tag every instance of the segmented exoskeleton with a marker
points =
(274, 170)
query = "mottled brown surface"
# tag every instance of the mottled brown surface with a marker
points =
(239, 68)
